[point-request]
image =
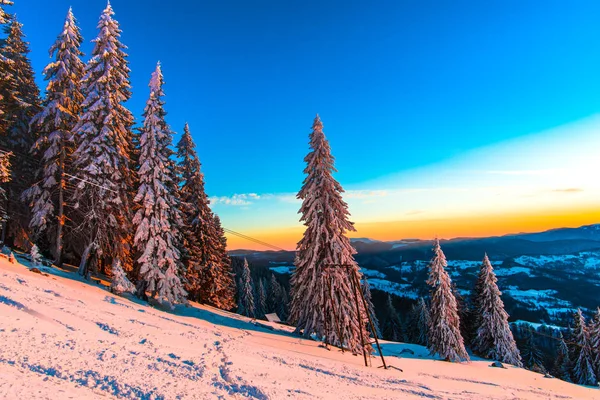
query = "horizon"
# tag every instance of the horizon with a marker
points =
(436, 131)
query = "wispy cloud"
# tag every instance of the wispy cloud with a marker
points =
(243, 199)
(568, 190)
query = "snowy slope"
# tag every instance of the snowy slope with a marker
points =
(63, 338)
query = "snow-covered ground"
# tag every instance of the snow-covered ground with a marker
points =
(63, 338)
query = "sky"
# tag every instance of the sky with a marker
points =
(446, 118)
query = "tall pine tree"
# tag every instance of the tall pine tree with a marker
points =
(325, 246)
(494, 338)
(562, 363)
(20, 102)
(583, 372)
(158, 221)
(368, 297)
(392, 326)
(54, 125)
(594, 331)
(532, 356)
(208, 273)
(102, 195)
(246, 293)
(444, 326)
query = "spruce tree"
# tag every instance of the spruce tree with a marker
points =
(422, 322)
(261, 299)
(158, 221)
(102, 195)
(494, 338)
(54, 125)
(562, 363)
(368, 297)
(444, 325)
(531, 354)
(594, 331)
(20, 102)
(392, 326)
(324, 254)
(246, 293)
(208, 272)
(225, 289)
(583, 372)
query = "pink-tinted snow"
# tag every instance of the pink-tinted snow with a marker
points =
(63, 338)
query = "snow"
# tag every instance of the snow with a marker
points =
(399, 289)
(513, 271)
(371, 273)
(72, 339)
(284, 269)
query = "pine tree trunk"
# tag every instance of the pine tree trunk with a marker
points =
(61, 219)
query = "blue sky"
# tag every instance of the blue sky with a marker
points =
(401, 86)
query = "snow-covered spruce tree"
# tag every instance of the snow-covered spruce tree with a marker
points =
(444, 325)
(6, 81)
(369, 298)
(54, 124)
(99, 162)
(158, 220)
(225, 291)
(583, 370)
(562, 362)
(422, 322)
(208, 274)
(392, 326)
(21, 101)
(120, 283)
(531, 354)
(36, 257)
(261, 299)
(325, 246)
(494, 338)
(594, 331)
(246, 293)
(282, 309)
(274, 294)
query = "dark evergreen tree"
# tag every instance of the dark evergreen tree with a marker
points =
(531, 355)
(261, 299)
(392, 326)
(246, 293)
(368, 297)
(208, 279)
(562, 363)
(594, 331)
(583, 370)
(444, 325)
(20, 102)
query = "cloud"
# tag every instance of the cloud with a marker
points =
(414, 212)
(243, 199)
(568, 190)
